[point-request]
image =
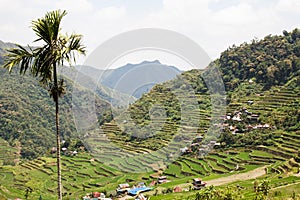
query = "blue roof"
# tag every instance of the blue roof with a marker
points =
(136, 191)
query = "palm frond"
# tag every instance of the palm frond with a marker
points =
(43, 64)
(70, 45)
(19, 56)
(48, 27)
(57, 48)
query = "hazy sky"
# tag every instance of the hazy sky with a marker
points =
(213, 24)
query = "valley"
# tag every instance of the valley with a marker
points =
(168, 131)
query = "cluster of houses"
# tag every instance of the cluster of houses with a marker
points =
(95, 196)
(124, 191)
(140, 187)
(243, 115)
(238, 122)
(65, 151)
(202, 149)
(134, 191)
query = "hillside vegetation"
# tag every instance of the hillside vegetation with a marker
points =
(27, 114)
(260, 128)
(265, 72)
(271, 61)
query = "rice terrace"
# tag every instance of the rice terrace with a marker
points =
(149, 129)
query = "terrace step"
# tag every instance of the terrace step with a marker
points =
(273, 151)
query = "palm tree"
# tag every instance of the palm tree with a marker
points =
(42, 62)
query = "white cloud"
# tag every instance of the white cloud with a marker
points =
(111, 13)
(235, 15)
(216, 29)
(76, 7)
(213, 24)
(290, 6)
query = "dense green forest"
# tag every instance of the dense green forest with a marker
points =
(271, 61)
(27, 113)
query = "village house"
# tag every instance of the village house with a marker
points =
(198, 184)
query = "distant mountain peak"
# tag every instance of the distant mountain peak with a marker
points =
(150, 62)
(145, 62)
(136, 79)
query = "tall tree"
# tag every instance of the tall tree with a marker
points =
(42, 62)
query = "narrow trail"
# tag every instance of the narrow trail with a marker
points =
(238, 177)
(229, 179)
(232, 178)
(283, 186)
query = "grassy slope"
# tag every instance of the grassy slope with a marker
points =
(275, 104)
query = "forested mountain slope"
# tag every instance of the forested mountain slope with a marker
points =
(261, 77)
(27, 113)
(274, 60)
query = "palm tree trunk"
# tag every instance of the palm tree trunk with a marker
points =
(59, 185)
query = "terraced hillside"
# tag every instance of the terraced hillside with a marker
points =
(81, 174)
(279, 150)
(274, 108)
(154, 128)
(181, 129)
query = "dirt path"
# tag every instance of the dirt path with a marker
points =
(232, 178)
(297, 175)
(238, 177)
(229, 179)
(283, 186)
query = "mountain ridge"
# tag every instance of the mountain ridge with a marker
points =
(236, 68)
(153, 71)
